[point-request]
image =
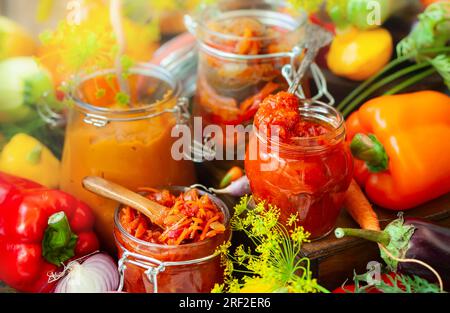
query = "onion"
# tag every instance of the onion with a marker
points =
(96, 274)
(238, 188)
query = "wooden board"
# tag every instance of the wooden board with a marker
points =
(334, 260)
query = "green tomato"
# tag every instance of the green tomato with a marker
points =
(338, 16)
(22, 83)
(368, 14)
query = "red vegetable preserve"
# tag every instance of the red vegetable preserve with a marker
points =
(179, 258)
(297, 160)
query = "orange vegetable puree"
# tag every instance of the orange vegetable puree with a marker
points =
(133, 154)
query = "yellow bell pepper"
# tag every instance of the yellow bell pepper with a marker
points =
(358, 55)
(26, 157)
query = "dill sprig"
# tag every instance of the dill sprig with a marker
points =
(275, 264)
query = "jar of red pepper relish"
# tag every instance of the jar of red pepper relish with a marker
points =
(297, 160)
(147, 267)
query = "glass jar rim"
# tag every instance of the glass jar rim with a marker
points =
(215, 199)
(310, 111)
(284, 20)
(143, 69)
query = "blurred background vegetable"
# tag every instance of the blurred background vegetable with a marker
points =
(15, 40)
(26, 157)
(23, 83)
(27, 102)
(426, 45)
(358, 55)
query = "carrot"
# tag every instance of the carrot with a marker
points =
(207, 226)
(183, 236)
(233, 174)
(360, 208)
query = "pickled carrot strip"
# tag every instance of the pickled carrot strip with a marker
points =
(205, 229)
(198, 213)
(256, 100)
(140, 230)
(182, 236)
(211, 234)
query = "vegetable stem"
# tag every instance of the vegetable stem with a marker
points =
(116, 22)
(367, 148)
(59, 242)
(364, 85)
(380, 237)
(411, 81)
(381, 83)
(387, 68)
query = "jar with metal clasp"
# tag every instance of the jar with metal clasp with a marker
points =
(130, 144)
(156, 268)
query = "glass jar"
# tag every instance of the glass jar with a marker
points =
(237, 67)
(154, 268)
(308, 178)
(128, 145)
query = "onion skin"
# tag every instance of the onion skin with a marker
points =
(100, 276)
(238, 188)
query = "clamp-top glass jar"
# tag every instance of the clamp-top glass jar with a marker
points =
(243, 47)
(308, 176)
(130, 145)
(156, 268)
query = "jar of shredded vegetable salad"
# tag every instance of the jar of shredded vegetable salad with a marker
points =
(243, 48)
(175, 260)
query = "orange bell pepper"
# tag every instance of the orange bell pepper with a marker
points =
(402, 146)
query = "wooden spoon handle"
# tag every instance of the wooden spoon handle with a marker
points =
(153, 210)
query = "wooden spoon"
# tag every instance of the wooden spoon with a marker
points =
(153, 210)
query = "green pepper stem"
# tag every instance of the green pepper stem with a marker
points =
(59, 242)
(367, 148)
(372, 235)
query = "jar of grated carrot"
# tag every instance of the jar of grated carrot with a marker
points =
(181, 258)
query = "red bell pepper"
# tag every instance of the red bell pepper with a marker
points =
(40, 229)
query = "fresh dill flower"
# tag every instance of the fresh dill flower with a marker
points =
(274, 262)
(292, 220)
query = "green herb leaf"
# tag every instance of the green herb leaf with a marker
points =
(100, 93)
(273, 262)
(122, 99)
(432, 31)
(395, 283)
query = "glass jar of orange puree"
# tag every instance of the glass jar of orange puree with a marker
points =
(128, 144)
